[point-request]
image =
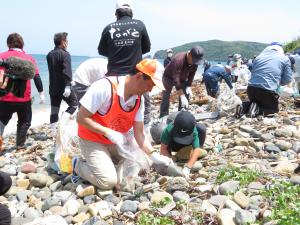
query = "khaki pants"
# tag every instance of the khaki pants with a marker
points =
(98, 165)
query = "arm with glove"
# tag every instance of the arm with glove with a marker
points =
(146, 146)
(67, 71)
(84, 118)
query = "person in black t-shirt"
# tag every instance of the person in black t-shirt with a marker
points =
(124, 42)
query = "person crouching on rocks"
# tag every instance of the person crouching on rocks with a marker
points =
(185, 137)
(109, 109)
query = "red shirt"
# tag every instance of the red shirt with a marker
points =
(21, 54)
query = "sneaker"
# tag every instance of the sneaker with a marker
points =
(253, 110)
(239, 111)
(74, 177)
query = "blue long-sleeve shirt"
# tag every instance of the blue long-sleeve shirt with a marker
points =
(270, 69)
(217, 73)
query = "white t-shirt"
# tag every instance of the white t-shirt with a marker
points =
(98, 98)
(90, 71)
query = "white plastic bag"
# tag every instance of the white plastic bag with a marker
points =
(134, 158)
(285, 91)
(67, 143)
(227, 100)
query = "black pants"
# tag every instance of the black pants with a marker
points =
(265, 99)
(175, 147)
(24, 112)
(165, 103)
(5, 184)
(55, 105)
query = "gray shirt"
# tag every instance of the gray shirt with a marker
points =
(270, 69)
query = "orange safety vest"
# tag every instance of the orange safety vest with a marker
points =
(116, 119)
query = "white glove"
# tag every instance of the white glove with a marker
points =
(186, 171)
(188, 91)
(114, 136)
(42, 97)
(160, 159)
(67, 91)
(184, 101)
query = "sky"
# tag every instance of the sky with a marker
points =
(169, 22)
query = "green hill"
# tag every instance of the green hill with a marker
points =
(216, 50)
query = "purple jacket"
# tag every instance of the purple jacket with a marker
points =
(179, 71)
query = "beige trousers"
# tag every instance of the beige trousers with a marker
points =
(98, 165)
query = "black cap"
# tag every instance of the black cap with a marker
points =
(183, 130)
(197, 53)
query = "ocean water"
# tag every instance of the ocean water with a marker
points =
(44, 73)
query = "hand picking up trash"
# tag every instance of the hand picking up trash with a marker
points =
(105, 120)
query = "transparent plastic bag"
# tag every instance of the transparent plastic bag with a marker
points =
(134, 158)
(67, 143)
(227, 100)
(285, 91)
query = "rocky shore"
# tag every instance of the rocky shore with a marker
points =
(247, 177)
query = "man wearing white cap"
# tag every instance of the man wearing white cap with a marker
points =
(106, 114)
(124, 42)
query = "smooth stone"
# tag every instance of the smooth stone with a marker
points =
(48, 203)
(208, 208)
(231, 205)
(89, 199)
(85, 191)
(205, 187)
(23, 183)
(243, 217)
(267, 137)
(174, 171)
(283, 145)
(55, 186)
(255, 187)
(56, 210)
(80, 218)
(285, 168)
(181, 196)
(31, 213)
(283, 132)
(218, 200)
(177, 184)
(71, 208)
(196, 167)
(102, 208)
(38, 180)
(130, 206)
(226, 217)
(246, 128)
(272, 148)
(144, 206)
(296, 147)
(10, 169)
(241, 199)
(159, 196)
(229, 187)
(28, 168)
(23, 195)
(295, 179)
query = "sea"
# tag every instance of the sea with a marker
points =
(44, 73)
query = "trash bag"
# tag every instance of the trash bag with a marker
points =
(134, 159)
(157, 128)
(67, 143)
(227, 100)
(285, 91)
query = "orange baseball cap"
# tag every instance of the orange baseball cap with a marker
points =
(153, 69)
